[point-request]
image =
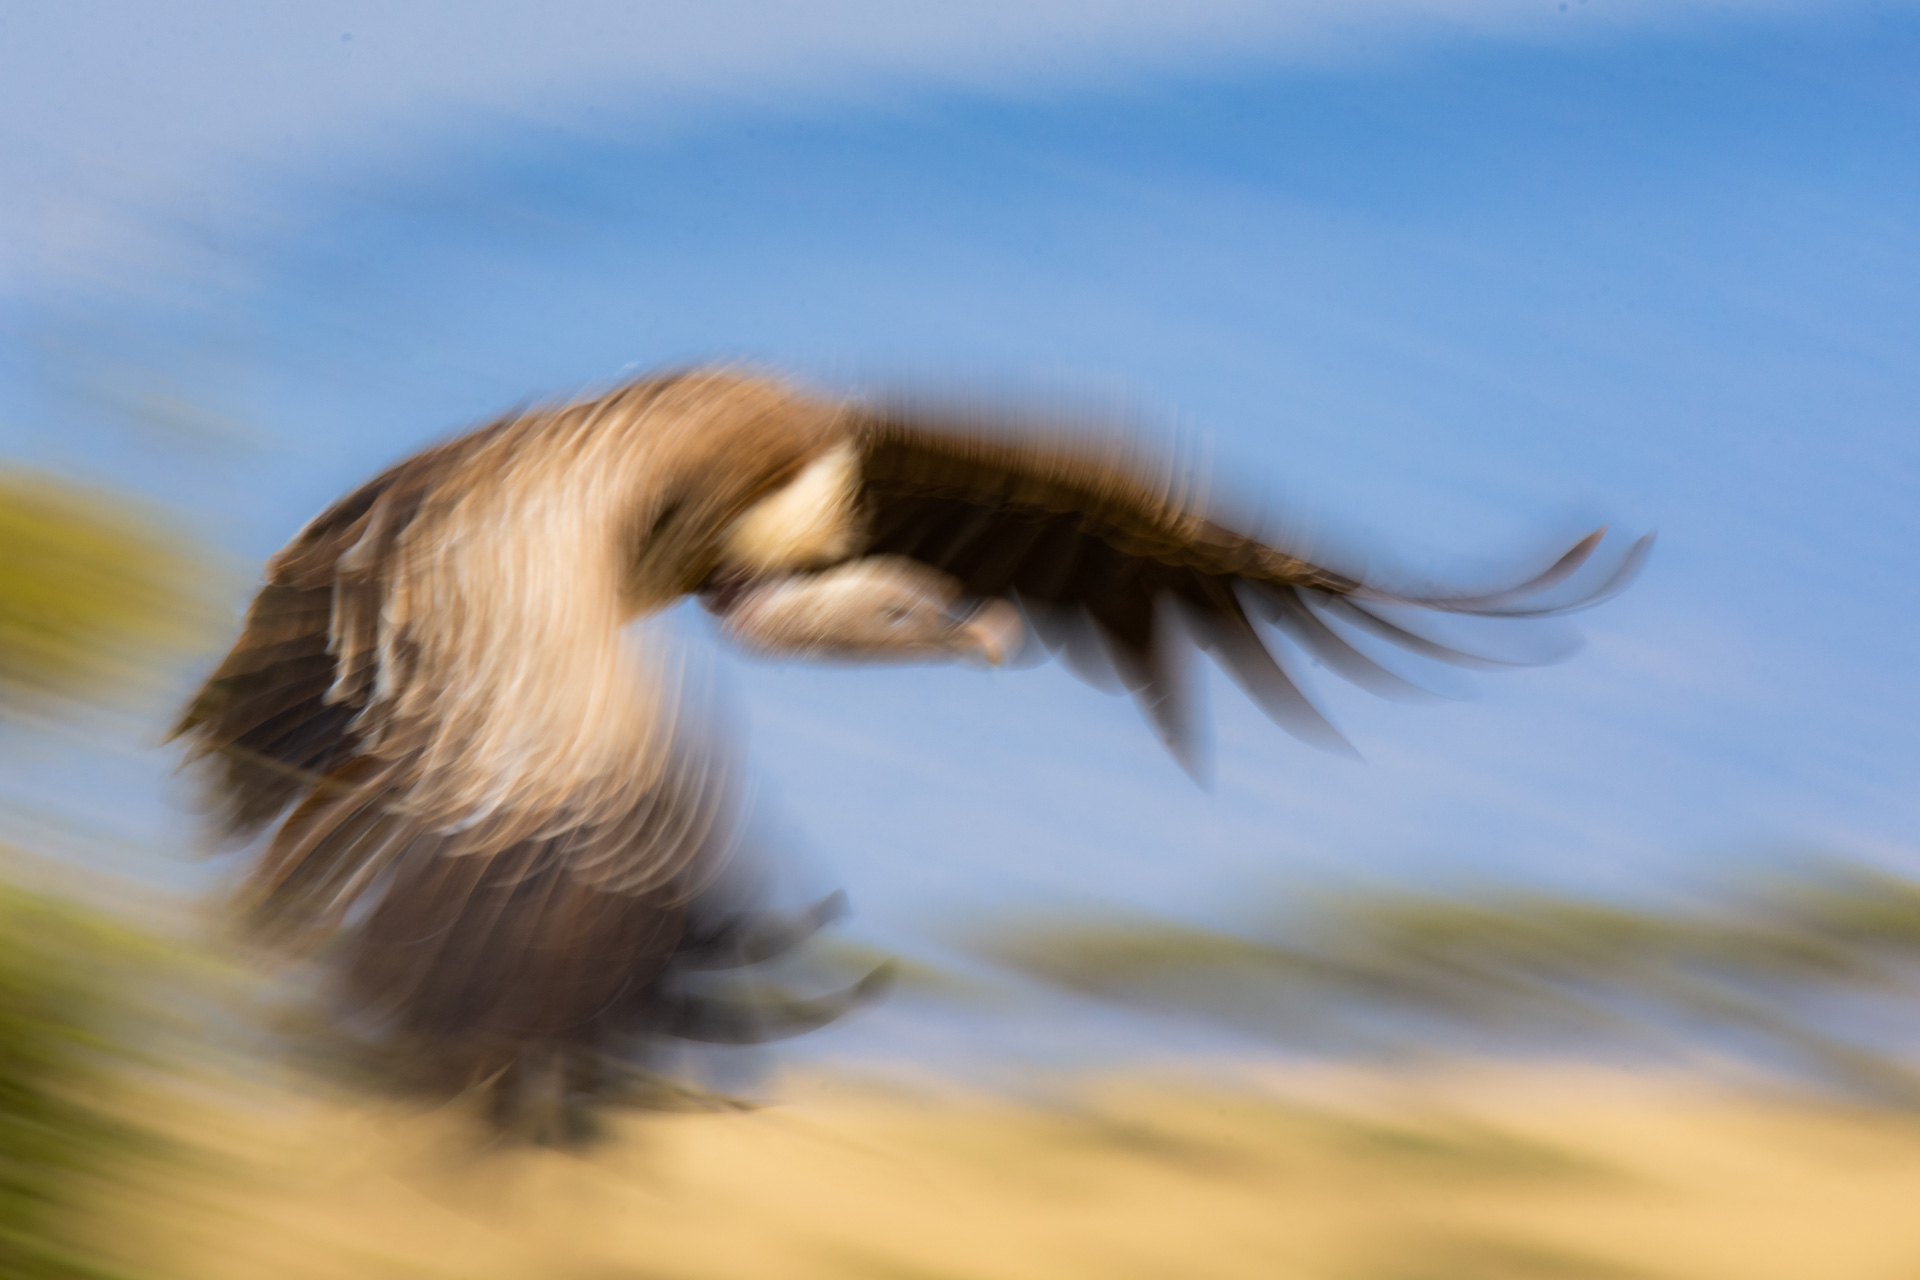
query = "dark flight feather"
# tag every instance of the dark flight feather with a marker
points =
(1097, 529)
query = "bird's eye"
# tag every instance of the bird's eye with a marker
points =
(895, 616)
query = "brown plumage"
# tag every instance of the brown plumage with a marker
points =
(502, 814)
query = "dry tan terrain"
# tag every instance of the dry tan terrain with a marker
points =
(1495, 1174)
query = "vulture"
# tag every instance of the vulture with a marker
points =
(491, 815)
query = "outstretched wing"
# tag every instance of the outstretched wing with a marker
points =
(503, 822)
(281, 713)
(1096, 538)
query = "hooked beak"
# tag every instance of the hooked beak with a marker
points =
(994, 630)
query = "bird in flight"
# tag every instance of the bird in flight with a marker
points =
(503, 822)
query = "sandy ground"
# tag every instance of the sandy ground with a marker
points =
(1481, 1174)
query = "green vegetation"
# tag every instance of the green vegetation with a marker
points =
(91, 592)
(63, 977)
(92, 595)
(1749, 967)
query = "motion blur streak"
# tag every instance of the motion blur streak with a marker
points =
(1538, 990)
(511, 831)
(1490, 1173)
(155, 1118)
(93, 598)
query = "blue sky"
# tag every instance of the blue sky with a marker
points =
(1446, 283)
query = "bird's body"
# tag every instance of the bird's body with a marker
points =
(506, 808)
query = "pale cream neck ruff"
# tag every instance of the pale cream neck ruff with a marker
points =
(808, 522)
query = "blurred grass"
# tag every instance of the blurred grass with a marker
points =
(66, 976)
(1801, 968)
(95, 592)
(1483, 1170)
(1488, 1174)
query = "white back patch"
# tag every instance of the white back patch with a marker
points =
(807, 522)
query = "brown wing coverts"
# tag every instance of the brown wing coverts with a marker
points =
(470, 953)
(265, 711)
(278, 714)
(1096, 537)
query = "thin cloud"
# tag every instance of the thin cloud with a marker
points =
(115, 110)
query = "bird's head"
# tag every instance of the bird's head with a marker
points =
(880, 609)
